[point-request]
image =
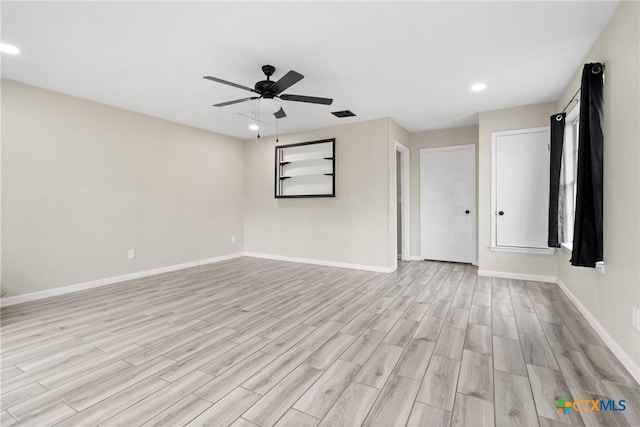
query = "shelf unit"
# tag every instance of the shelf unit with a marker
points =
(306, 169)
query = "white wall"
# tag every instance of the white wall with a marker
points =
(610, 296)
(432, 139)
(83, 182)
(356, 227)
(529, 116)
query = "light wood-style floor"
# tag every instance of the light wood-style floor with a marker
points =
(253, 342)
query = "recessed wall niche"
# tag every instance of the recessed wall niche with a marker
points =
(306, 169)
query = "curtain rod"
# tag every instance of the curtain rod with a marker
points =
(573, 98)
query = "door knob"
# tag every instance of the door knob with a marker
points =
(467, 211)
(501, 213)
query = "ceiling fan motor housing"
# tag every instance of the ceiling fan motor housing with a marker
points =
(263, 86)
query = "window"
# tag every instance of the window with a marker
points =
(570, 172)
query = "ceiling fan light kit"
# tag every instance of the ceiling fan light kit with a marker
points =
(269, 105)
(270, 93)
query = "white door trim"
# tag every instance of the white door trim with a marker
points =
(423, 152)
(405, 207)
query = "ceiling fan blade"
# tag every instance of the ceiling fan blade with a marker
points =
(288, 80)
(280, 114)
(235, 101)
(310, 99)
(215, 79)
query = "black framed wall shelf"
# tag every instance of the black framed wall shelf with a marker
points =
(306, 169)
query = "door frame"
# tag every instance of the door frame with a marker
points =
(405, 210)
(474, 209)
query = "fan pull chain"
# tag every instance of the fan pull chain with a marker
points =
(277, 129)
(258, 140)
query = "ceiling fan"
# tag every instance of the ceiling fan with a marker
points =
(270, 92)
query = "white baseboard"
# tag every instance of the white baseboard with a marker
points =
(615, 348)
(5, 302)
(364, 267)
(518, 276)
(419, 258)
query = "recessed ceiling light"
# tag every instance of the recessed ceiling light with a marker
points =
(7, 48)
(254, 126)
(478, 87)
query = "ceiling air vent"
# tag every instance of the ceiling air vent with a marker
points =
(344, 113)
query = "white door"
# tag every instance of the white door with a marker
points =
(521, 170)
(447, 203)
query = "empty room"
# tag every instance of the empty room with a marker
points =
(320, 213)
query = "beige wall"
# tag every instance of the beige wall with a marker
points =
(529, 116)
(431, 139)
(354, 227)
(83, 182)
(610, 296)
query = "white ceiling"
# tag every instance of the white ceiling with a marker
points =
(413, 62)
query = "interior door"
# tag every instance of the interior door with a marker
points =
(447, 203)
(522, 188)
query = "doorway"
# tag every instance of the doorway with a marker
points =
(403, 232)
(447, 203)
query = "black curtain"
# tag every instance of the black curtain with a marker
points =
(556, 189)
(587, 231)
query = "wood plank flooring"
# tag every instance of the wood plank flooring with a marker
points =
(250, 342)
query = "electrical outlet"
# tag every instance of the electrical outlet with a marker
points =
(233, 239)
(131, 253)
(635, 317)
